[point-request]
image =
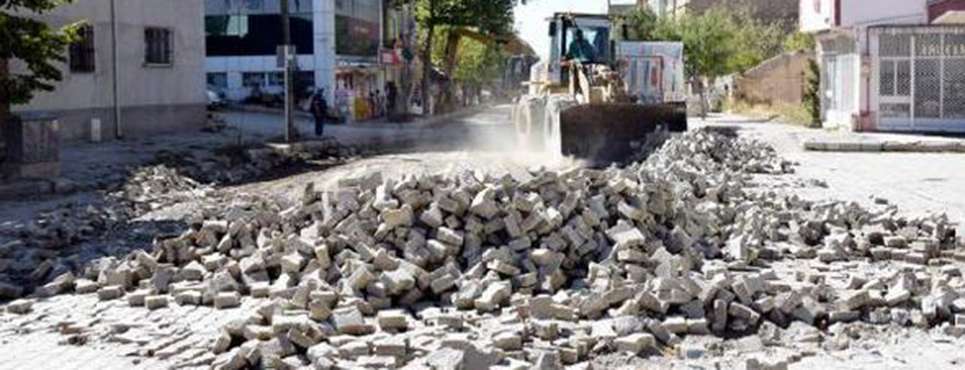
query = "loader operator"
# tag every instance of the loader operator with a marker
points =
(580, 49)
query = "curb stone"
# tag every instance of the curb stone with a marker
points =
(884, 146)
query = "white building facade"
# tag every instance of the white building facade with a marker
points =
(342, 47)
(147, 80)
(885, 68)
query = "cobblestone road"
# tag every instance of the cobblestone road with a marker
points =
(120, 337)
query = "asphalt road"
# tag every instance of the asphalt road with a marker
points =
(916, 182)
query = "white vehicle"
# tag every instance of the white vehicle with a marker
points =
(215, 100)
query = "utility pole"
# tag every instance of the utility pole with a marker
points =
(288, 55)
(115, 74)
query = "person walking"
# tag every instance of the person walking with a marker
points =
(319, 111)
(390, 97)
(379, 104)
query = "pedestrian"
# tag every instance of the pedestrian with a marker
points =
(390, 97)
(379, 103)
(319, 111)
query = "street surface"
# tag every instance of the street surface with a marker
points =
(917, 183)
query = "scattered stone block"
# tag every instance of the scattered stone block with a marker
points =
(635, 343)
(156, 301)
(110, 292)
(226, 300)
(20, 306)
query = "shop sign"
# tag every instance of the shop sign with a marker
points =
(391, 56)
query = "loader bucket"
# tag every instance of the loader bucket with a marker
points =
(613, 132)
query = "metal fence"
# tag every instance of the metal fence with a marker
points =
(919, 76)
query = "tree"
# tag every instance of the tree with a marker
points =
(641, 24)
(35, 44)
(494, 17)
(475, 61)
(800, 41)
(717, 42)
(754, 40)
(812, 92)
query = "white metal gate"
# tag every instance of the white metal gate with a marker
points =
(918, 75)
(839, 67)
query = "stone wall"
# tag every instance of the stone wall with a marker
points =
(778, 80)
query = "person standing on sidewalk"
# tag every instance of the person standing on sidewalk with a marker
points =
(319, 111)
(390, 97)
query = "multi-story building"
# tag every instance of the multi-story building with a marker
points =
(242, 45)
(146, 80)
(885, 67)
(348, 48)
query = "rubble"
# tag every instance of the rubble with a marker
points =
(20, 306)
(464, 269)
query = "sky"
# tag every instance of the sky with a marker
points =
(531, 18)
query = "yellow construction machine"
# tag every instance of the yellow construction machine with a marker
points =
(600, 97)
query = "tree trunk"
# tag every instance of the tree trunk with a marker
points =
(4, 107)
(427, 59)
(699, 85)
(404, 96)
(445, 99)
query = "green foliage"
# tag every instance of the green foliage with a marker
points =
(37, 6)
(478, 63)
(754, 40)
(717, 42)
(641, 24)
(488, 16)
(799, 41)
(812, 96)
(33, 43)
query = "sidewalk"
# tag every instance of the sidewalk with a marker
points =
(919, 183)
(420, 121)
(90, 166)
(826, 141)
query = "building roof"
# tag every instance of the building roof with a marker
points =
(951, 17)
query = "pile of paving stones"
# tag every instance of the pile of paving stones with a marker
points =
(235, 164)
(45, 247)
(49, 245)
(153, 187)
(472, 271)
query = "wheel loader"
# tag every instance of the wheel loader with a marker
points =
(600, 97)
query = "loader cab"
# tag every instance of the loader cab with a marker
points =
(581, 37)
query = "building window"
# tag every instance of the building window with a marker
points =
(359, 21)
(218, 81)
(253, 79)
(256, 34)
(82, 50)
(159, 49)
(276, 79)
